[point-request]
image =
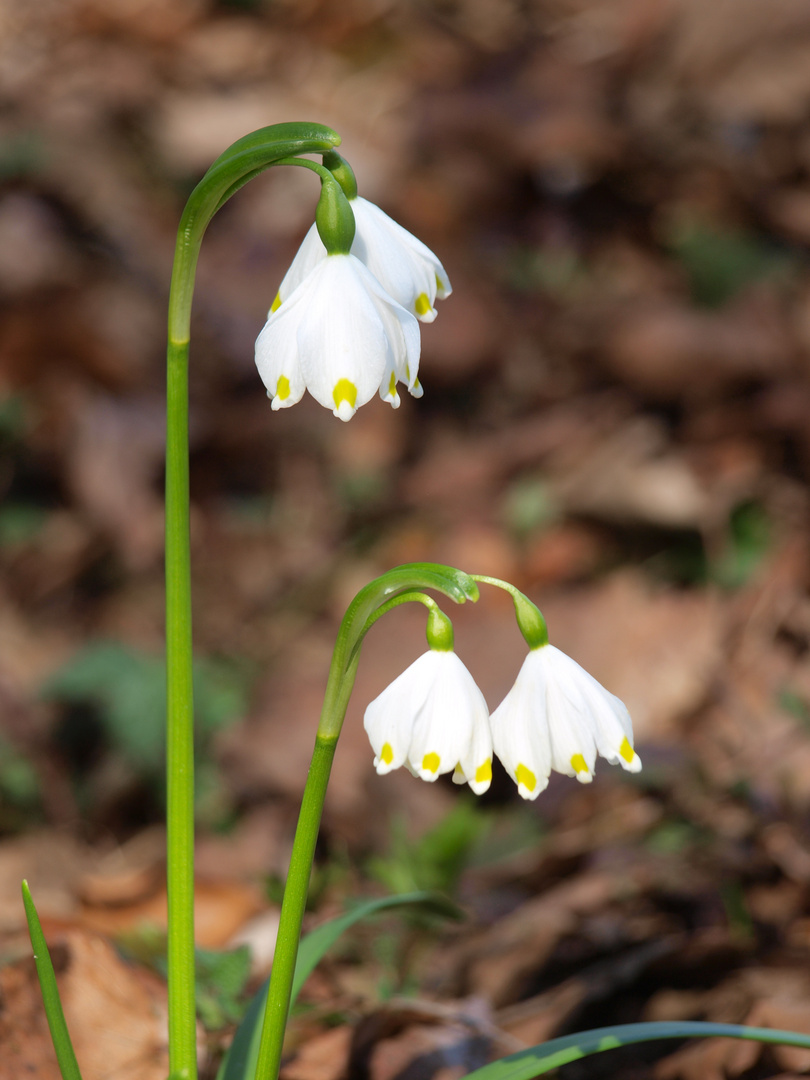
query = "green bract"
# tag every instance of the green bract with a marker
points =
(334, 219)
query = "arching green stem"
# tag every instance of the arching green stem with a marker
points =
(398, 586)
(529, 618)
(242, 161)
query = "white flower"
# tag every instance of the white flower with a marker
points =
(433, 719)
(403, 265)
(340, 336)
(559, 717)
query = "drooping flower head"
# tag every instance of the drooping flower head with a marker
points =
(433, 718)
(557, 716)
(335, 328)
(341, 337)
(405, 267)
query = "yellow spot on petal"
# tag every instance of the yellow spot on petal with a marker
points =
(484, 772)
(344, 391)
(276, 303)
(392, 386)
(627, 751)
(422, 304)
(526, 777)
(578, 764)
(431, 762)
(283, 388)
(387, 753)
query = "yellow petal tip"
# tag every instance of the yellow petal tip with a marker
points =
(422, 304)
(431, 763)
(483, 774)
(525, 777)
(578, 764)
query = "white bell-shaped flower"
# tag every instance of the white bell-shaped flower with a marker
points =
(340, 336)
(433, 719)
(405, 267)
(557, 716)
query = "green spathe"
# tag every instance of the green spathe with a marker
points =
(334, 219)
(343, 172)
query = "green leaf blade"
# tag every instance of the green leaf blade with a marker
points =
(543, 1058)
(240, 1061)
(63, 1047)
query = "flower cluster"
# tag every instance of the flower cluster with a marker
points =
(434, 720)
(344, 324)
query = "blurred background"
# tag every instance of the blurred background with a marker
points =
(615, 419)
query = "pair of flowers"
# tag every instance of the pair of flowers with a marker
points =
(433, 719)
(344, 326)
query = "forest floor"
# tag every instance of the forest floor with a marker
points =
(615, 419)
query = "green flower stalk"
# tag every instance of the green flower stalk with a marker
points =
(241, 162)
(340, 335)
(398, 586)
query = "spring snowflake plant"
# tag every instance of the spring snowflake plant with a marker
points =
(344, 326)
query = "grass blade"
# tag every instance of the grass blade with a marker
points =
(66, 1059)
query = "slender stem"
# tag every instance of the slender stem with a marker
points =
(246, 158)
(529, 617)
(180, 725)
(292, 908)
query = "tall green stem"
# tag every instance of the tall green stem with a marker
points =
(180, 726)
(242, 161)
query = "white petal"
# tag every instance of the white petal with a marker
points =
(442, 726)
(610, 720)
(557, 716)
(520, 732)
(342, 342)
(402, 333)
(389, 717)
(404, 266)
(277, 357)
(437, 710)
(309, 254)
(573, 747)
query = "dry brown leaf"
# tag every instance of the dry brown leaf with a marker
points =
(499, 961)
(115, 1013)
(221, 909)
(670, 350)
(634, 476)
(323, 1057)
(430, 1039)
